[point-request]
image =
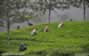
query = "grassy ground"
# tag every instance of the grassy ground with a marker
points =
(73, 37)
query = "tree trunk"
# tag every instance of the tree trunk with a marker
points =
(49, 16)
(84, 10)
(8, 31)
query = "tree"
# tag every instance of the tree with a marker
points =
(78, 4)
(85, 5)
(11, 11)
(49, 5)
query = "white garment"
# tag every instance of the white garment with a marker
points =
(59, 25)
(46, 29)
(33, 31)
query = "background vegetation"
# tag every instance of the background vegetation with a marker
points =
(72, 38)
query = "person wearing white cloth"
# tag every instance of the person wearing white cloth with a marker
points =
(34, 32)
(46, 28)
(60, 25)
(64, 17)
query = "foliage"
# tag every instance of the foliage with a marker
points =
(71, 38)
(14, 9)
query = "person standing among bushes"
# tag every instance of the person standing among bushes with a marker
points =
(34, 31)
(46, 28)
(64, 17)
(71, 20)
(61, 24)
(30, 24)
(22, 47)
(18, 27)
